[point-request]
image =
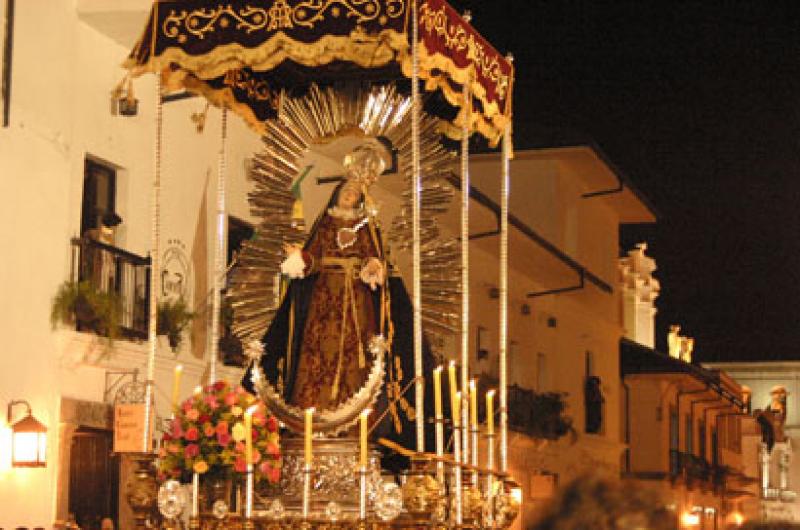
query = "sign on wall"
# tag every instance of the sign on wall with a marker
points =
(129, 425)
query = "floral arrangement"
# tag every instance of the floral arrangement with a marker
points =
(207, 436)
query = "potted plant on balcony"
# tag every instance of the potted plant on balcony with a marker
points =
(91, 309)
(173, 317)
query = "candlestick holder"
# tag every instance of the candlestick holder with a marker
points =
(490, 479)
(306, 489)
(474, 435)
(362, 493)
(457, 478)
(439, 421)
(248, 503)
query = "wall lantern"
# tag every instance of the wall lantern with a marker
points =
(28, 439)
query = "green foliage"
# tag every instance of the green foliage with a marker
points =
(83, 303)
(538, 414)
(173, 317)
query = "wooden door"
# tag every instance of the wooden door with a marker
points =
(93, 478)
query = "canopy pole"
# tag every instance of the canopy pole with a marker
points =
(155, 234)
(465, 271)
(504, 194)
(416, 186)
(219, 252)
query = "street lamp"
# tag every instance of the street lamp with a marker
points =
(28, 439)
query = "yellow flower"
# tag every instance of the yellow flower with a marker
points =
(238, 432)
(236, 410)
(200, 467)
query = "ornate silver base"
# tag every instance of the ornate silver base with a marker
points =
(334, 477)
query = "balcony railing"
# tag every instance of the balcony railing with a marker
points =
(111, 269)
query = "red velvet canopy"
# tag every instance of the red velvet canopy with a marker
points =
(242, 53)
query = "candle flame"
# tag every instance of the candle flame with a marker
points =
(490, 392)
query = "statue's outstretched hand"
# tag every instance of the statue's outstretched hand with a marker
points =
(294, 265)
(372, 273)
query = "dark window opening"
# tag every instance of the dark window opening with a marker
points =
(99, 194)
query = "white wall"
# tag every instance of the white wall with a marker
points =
(63, 73)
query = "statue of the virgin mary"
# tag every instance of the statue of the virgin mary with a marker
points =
(337, 310)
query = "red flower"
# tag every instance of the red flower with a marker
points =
(272, 424)
(273, 450)
(166, 437)
(204, 418)
(222, 427)
(220, 385)
(223, 439)
(191, 434)
(240, 465)
(208, 430)
(274, 474)
(230, 399)
(192, 450)
(239, 447)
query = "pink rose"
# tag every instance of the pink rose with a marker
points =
(177, 430)
(192, 450)
(222, 427)
(223, 439)
(212, 402)
(192, 434)
(208, 430)
(187, 405)
(240, 465)
(192, 414)
(230, 399)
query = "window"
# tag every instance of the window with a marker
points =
(99, 193)
(674, 442)
(689, 441)
(701, 441)
(589, 362)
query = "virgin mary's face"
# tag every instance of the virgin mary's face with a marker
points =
(348, 198)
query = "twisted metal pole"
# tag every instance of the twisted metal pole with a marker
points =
(416, 197)
(219, 251)
(155, 234)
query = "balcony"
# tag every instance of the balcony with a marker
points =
(108, 269)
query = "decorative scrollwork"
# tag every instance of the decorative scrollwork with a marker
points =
(202, 21)
(256, 89)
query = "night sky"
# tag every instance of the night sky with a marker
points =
(699, 105)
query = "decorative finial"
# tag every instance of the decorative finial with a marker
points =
(467, 16)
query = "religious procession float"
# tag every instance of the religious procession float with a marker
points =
(342, 418)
